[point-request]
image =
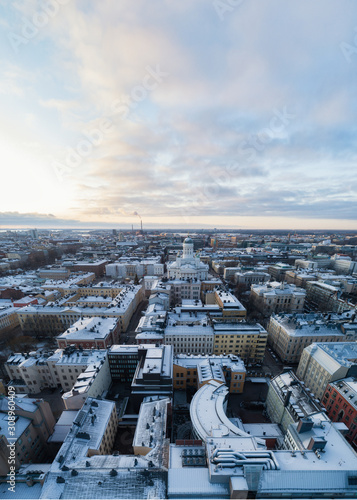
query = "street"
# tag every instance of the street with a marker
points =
(128, 337)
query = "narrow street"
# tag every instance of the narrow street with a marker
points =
(128, 337)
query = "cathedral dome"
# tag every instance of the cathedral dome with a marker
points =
(188, 241)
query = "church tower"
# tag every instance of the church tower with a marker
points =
(187, 249)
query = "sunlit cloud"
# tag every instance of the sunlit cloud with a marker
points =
(169, 111)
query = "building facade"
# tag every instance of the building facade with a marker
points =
(277, 297)
(322, 363)
(340, 401)
(289, 334)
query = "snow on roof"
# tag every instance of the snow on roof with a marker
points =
(92, 420)
(124, 349)
(79, 357)
(228, 299)
(150, 335)
(280, 481)
(90, 328)
(276, 288)
(300, 400)
(348, 389)
(26, 404)
(118, 305)
(189, 330)
(133, 479)
(207, 412)
(193, 483)
(301, 325)
(183, 317)
(263, 430)
(150, 429)
(237, 328)
(23, 491)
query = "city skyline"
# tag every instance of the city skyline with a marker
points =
(227, 113)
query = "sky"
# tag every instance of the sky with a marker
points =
(197, 113)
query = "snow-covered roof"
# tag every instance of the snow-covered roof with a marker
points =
(108, 477)
(150, 429)
(194, 482)
(90, 328)
(188, 330)
(207, 412)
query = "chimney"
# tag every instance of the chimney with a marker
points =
(317, 443)
(304, 425)
(29, 481)
(287, 397)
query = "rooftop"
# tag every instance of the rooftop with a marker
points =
(208, 417)
(90, 328)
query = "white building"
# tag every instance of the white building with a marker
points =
(62, 368)
(321, 363)
(277, 297)
(187, 266)
(249, 278)
(193, 339)
(130, 269)
(289, 334)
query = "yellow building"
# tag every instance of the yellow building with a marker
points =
(230, 308)
(8, 318)
(243, 340)
(195, 371)
(55, 318)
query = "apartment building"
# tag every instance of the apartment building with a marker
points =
(232, 310)
(153, 375)
(325, 297)
(93, 382)
(244, 280)
(34, 423)
(340, 401)
(299, 278)
(130, 269)
(96, 267)
(277, 271)
(288, 400)
(54, 318)
(8, 318)
(277, 297)
(343, 264)
(193, 371)
(322, 363)
(189, 289)
(289, 334)
(54, 273)
(248, 341)
(190, 338)
(34, 372)
(91, 332)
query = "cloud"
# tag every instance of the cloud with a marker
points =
(253, 116)
(14, 219)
